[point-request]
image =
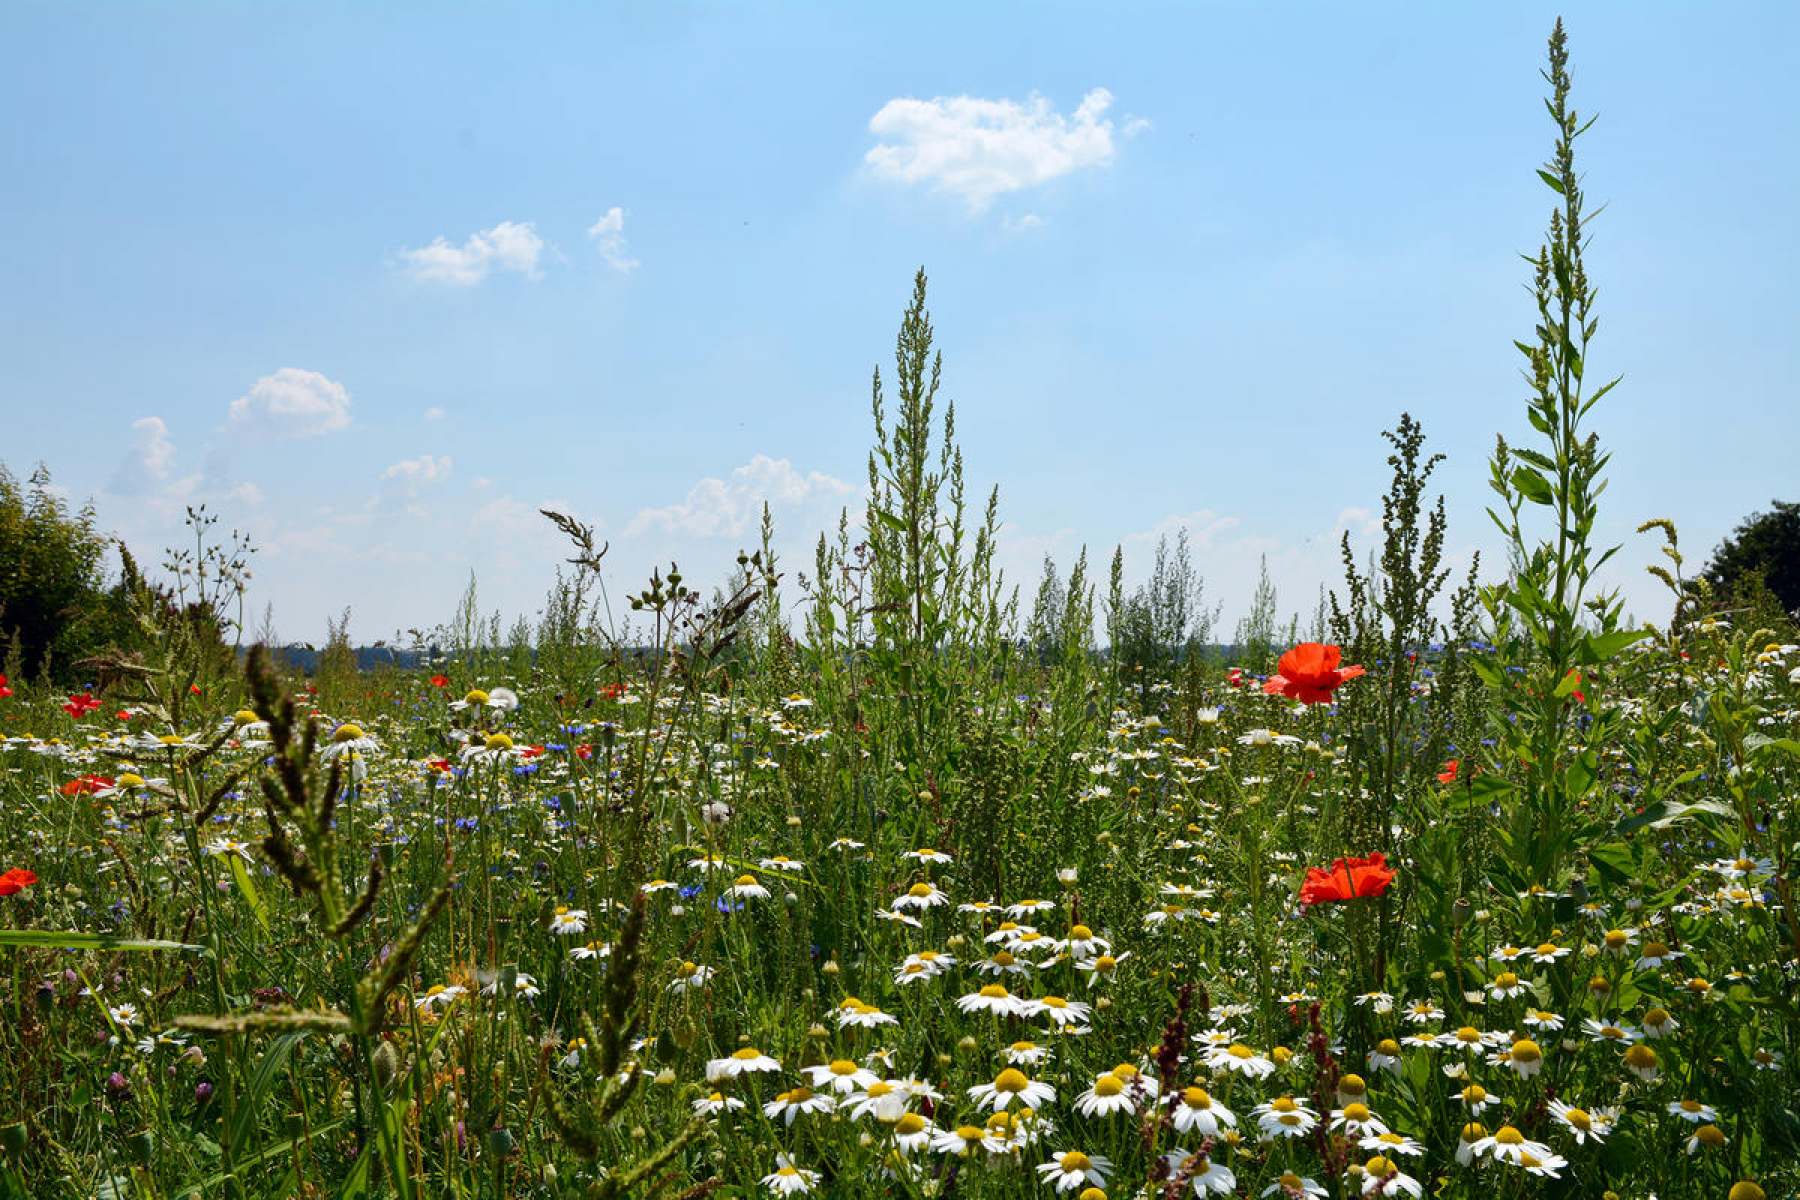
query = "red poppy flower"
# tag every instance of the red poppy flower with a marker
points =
(440, 681)
(86, 785)
(16, 880)
(81, 704)
(1448, 774)
(613, 691)
(1347, 879)
(4, 690)
(1234, 677)
(1579, 698)
(1309, 673)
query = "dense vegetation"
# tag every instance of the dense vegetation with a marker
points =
(867, 879)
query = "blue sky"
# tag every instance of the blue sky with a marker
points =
(375, 282)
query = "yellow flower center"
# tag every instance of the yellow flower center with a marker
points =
(878, 1089)
(1616, 939)
(1526, 1051)
(1548, 948)
(1105, 964)
(1081, 933)
(1003, 959)
(1599, 985)
(347, 732)
(746, 881)
(1640, 1056)
(1506, 980)
(746, 1054)
(993, 991)
(1357, 1112)
(1468, 1035)
(1240, 1051)
(1579, 1118)
(800, 1095)
(1508, 1136)
(130, 779)
(1283, 1104)
(1127, 1072)
(919, 890)
(475, 696)
(1011, 1080)
(1196, 1098)
(970, 1133)
(244, 716)
(1389, 1047)
(909, 1124)
(174, 739)
(1474, 1131)
(497, 742)
(1692, 1106)
(1352, 1085)
(843, 1066)
(1655, 950)
(1075, 1160)
(1108, 1085)
(1710, 1135)
(1379, 1167)
(1745, 1190)
(1612, 1032)
(1054, 1002)
(1474, 1094)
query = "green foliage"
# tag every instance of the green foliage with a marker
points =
(1762, 555)
(54, 597)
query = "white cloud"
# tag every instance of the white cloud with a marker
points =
(149, 462)
(292, 403)
(508, 246)
(978, 149)
(400, 483)
(434, 413)
(609, 238)
(727, 508)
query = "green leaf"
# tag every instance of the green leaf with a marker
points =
(1598, 647)
(1556, 185)
(1532, 485)
(890, 520)
(89, 941)
(1580, 776)
(1664, 813)
(248, 887)
(270, 1071)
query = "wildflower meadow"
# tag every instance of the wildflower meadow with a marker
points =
(866, 876)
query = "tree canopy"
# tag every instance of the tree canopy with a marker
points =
(1765, 547)
(54, 601)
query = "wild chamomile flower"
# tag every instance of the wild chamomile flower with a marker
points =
(1541, 1019)
(1658, 1023)
(1642, 1061)
(1383, 1177)
(1618, 1035)
(1061, 1012)
(912, 1132)
(920, 896)
(1709, 1136)
(1424, 1012)
(796, 1102)
(1003, 962)
(1296, 1187)
(1476, 1099)
(1525, 1057)
(1240, 1058)
(1764, 1059)
(567, 920)
(1195, 1109)
(690, 977)
(1207, 1175)
(708, 862)
(1549, 953)
(1385, 1056)
(840, 1075)
(1581, 1123)
(1109, 1094)
(927, 855)
(1617, 941)
(1101, 966)
(1391, 1143)
(1692, 1111)
(1010, 1085)
(439, 995)
(1657, 954)
(789, 1180)
(746, 1061)
(1024, 1054)
(880, 1099)
(1073, 1168)
(857, 1014)
(591, 950)
(1026, 907)
(1284, 1116)
(715, 1103)
(1356, 1120)
(1083, 944)
(962, 1141)
(745, 887)
(1508, 1145)
(125, 1015)
(1506, 986)
(221, 847)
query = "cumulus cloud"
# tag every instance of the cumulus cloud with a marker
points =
(978, 149)
(729, 507)
(508, 246)
(149, 462)
(292, 403)
(609, 238)
(434, 413)
(400, 483)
